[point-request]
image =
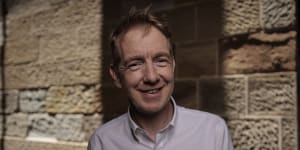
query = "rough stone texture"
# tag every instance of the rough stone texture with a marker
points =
(90, 124)
(194, 60)
(185, 93)
(70, 127)
(42, 125)
(17, 125)
(74, 99)
(17, 49)
(225, 96)
(273, 94)
(273, 37)
(278, 13)
(33, 101)
(62, 127)
(10, 99)
(69, 32)
(240, 16)
(85, 71)
(289, 133)
(55, 31)
(255, 133)
(257, 54)
(21, 144)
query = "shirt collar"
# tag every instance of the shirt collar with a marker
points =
(134, 127)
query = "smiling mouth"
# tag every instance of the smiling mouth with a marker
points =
(152, 91)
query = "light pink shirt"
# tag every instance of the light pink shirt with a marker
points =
(188, 130)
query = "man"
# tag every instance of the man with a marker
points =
(143, 65)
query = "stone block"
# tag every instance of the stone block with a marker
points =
(21, 144)
(10, 99)
(255, 133)
(33, 101)
(81, 71)
(185, 93)
(70, 30)
(194, 60)
(240, 16)
(272, 94)
(182, 22)
(278, 14)
(90, 124)
(17, 125)
(225, 96)
(260, 53)
(74, 99)
(17, 49)
(70, 127)
(289, 133)
(208, 20)
(42, 125)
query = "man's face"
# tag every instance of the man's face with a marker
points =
(146, 69)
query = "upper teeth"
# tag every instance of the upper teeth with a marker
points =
(152, 91)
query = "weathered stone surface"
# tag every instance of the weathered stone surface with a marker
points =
(90, 124)
(185, 93)
(255, 133)
(70, 30)
(70, 127)
(273, 37)
(74, 99)
(272, 94)
(17, 125)
(21, 8)
(54, 31)
(10, 99)
(21, 144)
(225, 96)
(240, 16)
(33, 101)
(255, 56)
(278, 13)
(194, 60)
(289, 133)
(86, 71)
(17, 49)
(42, 125)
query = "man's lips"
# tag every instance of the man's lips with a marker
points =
(151, 90)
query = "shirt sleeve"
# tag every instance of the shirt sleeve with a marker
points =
(95, 143)
(224, 141)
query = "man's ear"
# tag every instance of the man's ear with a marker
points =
(114, 76)
(174, 65)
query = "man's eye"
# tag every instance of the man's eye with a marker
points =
(134, 66)
(162, 62)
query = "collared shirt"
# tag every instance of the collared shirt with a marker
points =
(188, 130)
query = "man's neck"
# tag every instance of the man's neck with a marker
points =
(153, 123)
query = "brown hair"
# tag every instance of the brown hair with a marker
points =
(138, 17)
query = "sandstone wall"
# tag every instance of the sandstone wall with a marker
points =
(52, 68)
(235, 59)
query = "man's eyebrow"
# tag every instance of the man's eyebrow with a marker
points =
(162, 54)
(132, 58)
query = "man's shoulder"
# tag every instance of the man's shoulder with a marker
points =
(111, 126)
(197, 116)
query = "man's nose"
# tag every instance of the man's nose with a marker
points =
(151, 75)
